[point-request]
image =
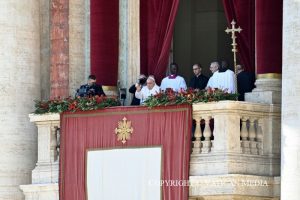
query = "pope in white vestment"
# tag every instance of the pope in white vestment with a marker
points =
(222, 80)
(146, 91)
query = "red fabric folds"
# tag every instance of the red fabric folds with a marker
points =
(243, 12)
(167, 126)
(269, 36)
(157, 20)
(105, 40)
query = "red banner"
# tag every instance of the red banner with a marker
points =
(169, 127)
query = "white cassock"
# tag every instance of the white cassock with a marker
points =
(223, 80)
(145, 93)
(176, 84)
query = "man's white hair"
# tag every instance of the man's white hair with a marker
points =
(151, 77)
(216, 63)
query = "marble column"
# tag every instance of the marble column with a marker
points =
(19, 86)
(268, 47)
(79, 43)
(290, 132)
(45, 48)
(129, 44)
(59, 52)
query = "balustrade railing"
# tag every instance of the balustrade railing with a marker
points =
(46, 170)
(236, 137)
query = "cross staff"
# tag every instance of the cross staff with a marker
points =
(234, 44)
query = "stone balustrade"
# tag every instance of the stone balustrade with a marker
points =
(45, 175)
(235, 142)
(46, 170)
(242, 137)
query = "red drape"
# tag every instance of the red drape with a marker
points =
(269, 36)
(105, 40)
(243, 12)
(157, 20)
(167, 126)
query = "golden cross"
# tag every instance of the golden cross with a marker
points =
(124, 130)
(234, 44)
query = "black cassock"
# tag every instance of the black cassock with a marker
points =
(90, 90)
(135, 101)
(245, 83)
(199, 82)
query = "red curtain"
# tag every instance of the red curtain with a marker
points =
(269, 36)
(243, 12)
(157, 20)
(167, 126)
(105, 40)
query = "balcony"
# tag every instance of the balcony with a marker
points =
(235, 155)
(236, 152)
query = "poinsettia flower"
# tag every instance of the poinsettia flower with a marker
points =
(209, 90)
(72, 107)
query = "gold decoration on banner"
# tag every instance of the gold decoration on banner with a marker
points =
(124, 130)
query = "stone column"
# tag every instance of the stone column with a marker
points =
(129, 44)
(45, 48)
(290, 134)
(59, 52)
(19, 86)
(79, 43)
(268, 47)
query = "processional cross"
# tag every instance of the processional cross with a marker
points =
(234, 44)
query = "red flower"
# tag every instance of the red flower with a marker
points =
(73, 105)
(99, 99)
(158, 95)
(209, 90)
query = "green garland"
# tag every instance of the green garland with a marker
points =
(164, 98)
(76, 104)
(190, 96)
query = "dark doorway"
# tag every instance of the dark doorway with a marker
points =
(200, 36)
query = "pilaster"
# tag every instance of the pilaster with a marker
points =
(129, 44)
(19, 87)
(290, 134)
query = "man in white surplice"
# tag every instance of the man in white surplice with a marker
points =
(151, 88)
(223, 79)
(173, 81)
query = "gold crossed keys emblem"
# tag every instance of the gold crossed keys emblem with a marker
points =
(124, 130)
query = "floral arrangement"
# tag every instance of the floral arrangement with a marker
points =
(190, 96)
(75, 104)
(164, 98)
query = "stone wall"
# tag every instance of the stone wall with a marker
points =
(290, 143)
(19, 86)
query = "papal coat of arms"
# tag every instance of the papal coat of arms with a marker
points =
(124, 130)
